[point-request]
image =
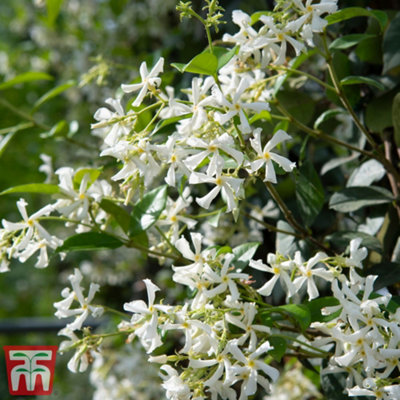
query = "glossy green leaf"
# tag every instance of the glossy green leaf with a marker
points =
(341, 239)
(299, 313)
(347, 41)
(391, 47)
(279, 347)
(147, 211)
(315, 307)
(362, 80)
(223, 55)
(352, 12)
(326, 115)
(53, 93)
(310, 195)
(43, 188)
(120, 215)
(53, 9)
(388, 274)
(356, 197)
(244, 253)
(367, 173)
(25, 77)
(378, 114)
(204, 64)
(90, 241)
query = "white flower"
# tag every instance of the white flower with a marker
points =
(150, 81)
(247, 368)
(265, 156)
(281, 271)
(147, 317)
(308, 273)
(81, 313)
(227, 185)
(116, 122)
(237, 107)
(175, 388)
(357, 254)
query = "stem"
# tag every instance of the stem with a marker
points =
(299, 72)
(114, 311)
(19, 127)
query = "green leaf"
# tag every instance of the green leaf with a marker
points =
(328, 114)
(391, 47)
(368, 172)
(344, 42)
(22, 369)
(90, 241)
(38, 369)
(223, 55)
(358, 80)
(204, 64)
(168, 125)
(5, 140)
(265, 115)
(352, 12)
(334, 386)
(244, 253)
(341, 239)
(378, 114)
(25, 77)
(94, 173)
(299, 104)
(53, 9)
(60, 129)
(310, 195)
(396, 118)
(279, 347)
(120, 215)
(256, 16)
(388, 274)
(299, 312)
(223, 250)
(315, 307)
(44, 188)
(356, 197)
(147, 211)
(53, 93)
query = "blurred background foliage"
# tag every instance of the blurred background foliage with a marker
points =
(87, 49)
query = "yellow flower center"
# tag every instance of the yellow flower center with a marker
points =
(30, 222)
(218, 181)
(266, 155)
(276, 270)
(173, 218)
(82, 196)
(212, 147)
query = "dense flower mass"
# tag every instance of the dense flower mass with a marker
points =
(182, 181)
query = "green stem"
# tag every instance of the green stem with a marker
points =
(291, 338)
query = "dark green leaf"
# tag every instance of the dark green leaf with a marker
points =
(334, 387)
(53, 93)
(120, 215)
(341, 239)
(396, 118)
(20, 355)
(279, 347)
(147, 211)
(299, 104)
(328, 114)
(310, 195)
(370, 50)
(53, 9)
(26, 77)
(388, 274)
(22, 369)
(352, 12)
(43, 188)
(358, 80)
(356, 197)
(39, 369)
(90, 241)
(204, 64)
(316, 305)
(244, 253)
(393, 304)
(299, 313)
(344, 42)
(391, 47)
(378, 115)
